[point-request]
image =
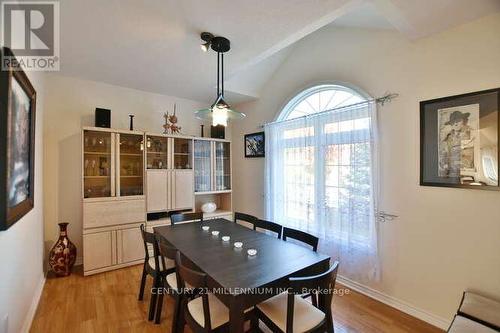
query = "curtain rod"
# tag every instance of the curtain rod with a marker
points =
(388, 97)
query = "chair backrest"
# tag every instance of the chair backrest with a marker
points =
(268, 225)
(244, 217)
(196, 280)
(301, 236)
(184, 217)
(149, 238)
(322, 285)
(167, 251)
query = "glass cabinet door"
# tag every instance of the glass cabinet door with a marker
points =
(222, 166)
(182, 153)
(157, 152)
(131, 164)
(97, 168)
(202, 166)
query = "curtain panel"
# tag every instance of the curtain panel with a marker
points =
(322, 178)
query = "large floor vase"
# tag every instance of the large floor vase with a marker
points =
(62, 256)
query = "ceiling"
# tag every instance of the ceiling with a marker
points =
(153, 45)
(366, 16)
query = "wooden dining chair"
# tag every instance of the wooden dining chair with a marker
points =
(248, 220)
(288, 312)
(301, 236)
(268, 225)
(205, 313)
(153, 267)
(186, 217)
(169, 282)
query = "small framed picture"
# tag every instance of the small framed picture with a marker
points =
(255, 144)
(459, 141)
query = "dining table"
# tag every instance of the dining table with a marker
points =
(240, 279)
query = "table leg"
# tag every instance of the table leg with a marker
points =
(236, 316)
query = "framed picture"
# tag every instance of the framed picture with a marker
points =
(459, 141)
(255, 144)
(17, 144)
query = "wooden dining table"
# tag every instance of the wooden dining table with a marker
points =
(241, 280)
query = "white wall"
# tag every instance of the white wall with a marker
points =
(21, 246)
(445, 240)
(70, 105)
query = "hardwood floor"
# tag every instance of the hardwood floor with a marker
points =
(107, 302)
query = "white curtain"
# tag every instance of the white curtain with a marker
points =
(321, 177)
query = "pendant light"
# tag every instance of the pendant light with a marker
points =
(220, 111)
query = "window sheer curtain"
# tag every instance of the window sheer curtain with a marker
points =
(322, 178)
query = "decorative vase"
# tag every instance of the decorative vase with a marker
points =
(62, 256)
(208, 207)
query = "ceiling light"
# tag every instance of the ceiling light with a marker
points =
(207, 38)
(220, 111)
(205, 46)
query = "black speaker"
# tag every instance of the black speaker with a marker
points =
(218, 132)
(102, 118)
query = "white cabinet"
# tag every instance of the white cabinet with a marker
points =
(112, 247)
(113, 200)
(212, 166)
(158, 195)
(112, 163)
(169, 173)
(129, 245)
(99, 250)
(182, 189)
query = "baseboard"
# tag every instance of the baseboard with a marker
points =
(395, 303)
(34, 305)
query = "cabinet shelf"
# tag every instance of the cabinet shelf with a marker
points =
(212, 192)
(217, 213)
(131, 154)
(98, 177)
(131, 176)
(97, 152)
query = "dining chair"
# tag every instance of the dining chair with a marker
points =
(153, 267)
(205, 313)
(186, 217)
(169, 282)
(288, 312)
(268, 225)
(248, 220)
(301, 236)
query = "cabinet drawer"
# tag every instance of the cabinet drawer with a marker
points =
(107, 213)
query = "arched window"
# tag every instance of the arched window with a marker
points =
(320, 174)
(320, 98)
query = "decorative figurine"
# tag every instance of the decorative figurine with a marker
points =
(170, 126)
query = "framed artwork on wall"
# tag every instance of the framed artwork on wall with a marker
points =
(17, 143)
(255, 145)
(459, 141)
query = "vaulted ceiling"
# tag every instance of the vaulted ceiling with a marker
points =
(153, 45)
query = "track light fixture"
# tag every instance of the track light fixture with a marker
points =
(207, 38)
